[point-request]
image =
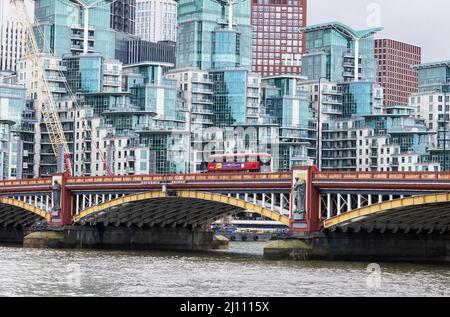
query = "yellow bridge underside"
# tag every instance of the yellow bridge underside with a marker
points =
(16, 212)
(394, 207)
(190, 195)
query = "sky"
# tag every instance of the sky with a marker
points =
(423, 23)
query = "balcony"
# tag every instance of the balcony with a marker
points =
(202, 91)
(80, 36)
(348, 64)
(348, 74)
(331, 92)
(76, 47)
(202, 121)
(331, 102)
(202, 81)
(203, 101)
(58, 89)
(202, 111)
(349, 55)
(111, 83)
(251, 84)
(111, 72)
(253, 95)
(56, 78)
(66, 119)
(56, 67)
(332, 111)
(81, 27)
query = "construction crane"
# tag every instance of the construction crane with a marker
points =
(44, 96)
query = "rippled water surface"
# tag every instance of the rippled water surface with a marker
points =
(240, 271)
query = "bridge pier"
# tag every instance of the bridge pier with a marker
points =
(363, 246)
(156, 238)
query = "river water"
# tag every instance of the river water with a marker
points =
(239, 271)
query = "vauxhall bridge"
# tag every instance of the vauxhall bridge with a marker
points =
(306, 200)
(367, 201)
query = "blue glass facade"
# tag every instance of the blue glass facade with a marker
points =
(84, 73)
(230, 97)
(357, 99)
(101, 102)
(434, 77)
(200, 24)
(291, 110)
(62, 23)
(289, 106)
(154, 93)
(12, 103)
(330, 53)
(226, 51)
(12, 108)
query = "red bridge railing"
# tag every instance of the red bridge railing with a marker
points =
(380, 176)
(26, 182)
(181, 178)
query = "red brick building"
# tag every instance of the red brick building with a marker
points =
(278, 42)
(394, 72)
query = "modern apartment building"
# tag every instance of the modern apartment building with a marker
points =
(13, 44)
(339, 67)
(12, 104)
(338, 53)
(278, 43)
(289, 108)
(394, 71)
(388, 142)
(432, 104)
(62, 24)
(357, 132)
(156, 20)
(123, 16)
(205, 39)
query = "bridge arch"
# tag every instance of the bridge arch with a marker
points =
(172, 208)
(18, 213)
(428, 212)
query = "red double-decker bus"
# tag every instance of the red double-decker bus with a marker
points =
(246, 162)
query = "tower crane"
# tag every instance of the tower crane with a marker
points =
(44, 96)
